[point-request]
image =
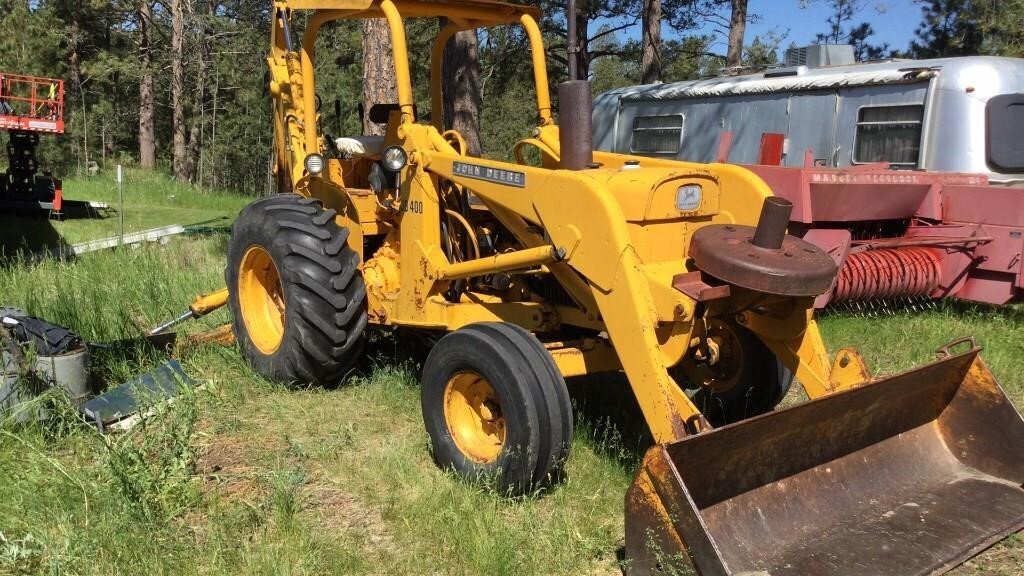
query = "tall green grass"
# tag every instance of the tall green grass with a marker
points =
(903, 339)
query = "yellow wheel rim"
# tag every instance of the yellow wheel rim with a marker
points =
(261, 299)
(474, 418)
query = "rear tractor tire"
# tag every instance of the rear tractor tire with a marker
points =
(296, 294)
(496, 407)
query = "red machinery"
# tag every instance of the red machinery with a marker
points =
(29, 106)
(905, 233)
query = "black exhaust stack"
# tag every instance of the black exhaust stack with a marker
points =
(575, 131)
(771, 226)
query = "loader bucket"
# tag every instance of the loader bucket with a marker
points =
(911, 474)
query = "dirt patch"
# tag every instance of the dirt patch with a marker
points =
(335, 511)
(606, 565)
(224, 466)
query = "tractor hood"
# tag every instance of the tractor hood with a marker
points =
(651, 194)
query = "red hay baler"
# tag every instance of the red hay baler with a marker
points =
(907, 233)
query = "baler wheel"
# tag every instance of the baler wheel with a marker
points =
(296, 294)
(496, 407)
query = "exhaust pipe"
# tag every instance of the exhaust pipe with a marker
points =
(575, 133)
(771, 226)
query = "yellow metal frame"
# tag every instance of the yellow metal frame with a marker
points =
(612, 238)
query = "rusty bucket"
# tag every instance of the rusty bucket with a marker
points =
(911, 474)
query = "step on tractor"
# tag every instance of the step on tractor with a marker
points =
(569, 262)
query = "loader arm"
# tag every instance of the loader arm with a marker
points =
(585, 224)
(595, 230)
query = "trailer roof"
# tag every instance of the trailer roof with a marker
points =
(804, 78)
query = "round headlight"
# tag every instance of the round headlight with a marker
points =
(688, 197)
(314, 164)
(394, 158)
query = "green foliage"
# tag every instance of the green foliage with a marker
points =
(30, 38)
(152, 465)
(690, 58)
(970, 27)
(762, 51)
(843, 30)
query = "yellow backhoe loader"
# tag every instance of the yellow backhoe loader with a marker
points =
(570, 262)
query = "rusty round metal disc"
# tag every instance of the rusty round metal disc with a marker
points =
(798, 268)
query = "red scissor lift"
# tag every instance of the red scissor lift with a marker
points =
(29, 107)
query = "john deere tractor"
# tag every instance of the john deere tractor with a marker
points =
(570, 262)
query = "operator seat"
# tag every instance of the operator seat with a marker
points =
(359, 146)
(367, 146)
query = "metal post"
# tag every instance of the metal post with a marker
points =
(120, 205)
(570, 17)
(575, 133)
(771, 226)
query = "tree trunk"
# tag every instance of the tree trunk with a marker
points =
(147, 132)
(73, 95)
(379, 86)
(650, 66)
(737, 28)
(195, 139)
(582, 45)
(461, 82)
(180, 153)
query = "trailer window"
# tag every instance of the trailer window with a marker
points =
(1005, 141)
(657, 134)
(888, 134)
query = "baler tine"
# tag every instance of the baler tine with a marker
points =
(594, 262)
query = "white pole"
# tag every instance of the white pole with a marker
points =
(120, 204)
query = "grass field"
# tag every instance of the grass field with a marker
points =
(250, 477)
(150, 200)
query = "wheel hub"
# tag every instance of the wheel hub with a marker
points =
(718, 361)
(473, 414)
(261, 299)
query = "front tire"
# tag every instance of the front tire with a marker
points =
(496, 407)
(745, 380)
(296, 294)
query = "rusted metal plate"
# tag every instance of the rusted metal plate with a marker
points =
(696, 286)
(908, 475)
(798, 268)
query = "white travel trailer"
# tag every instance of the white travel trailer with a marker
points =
(948, 115)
